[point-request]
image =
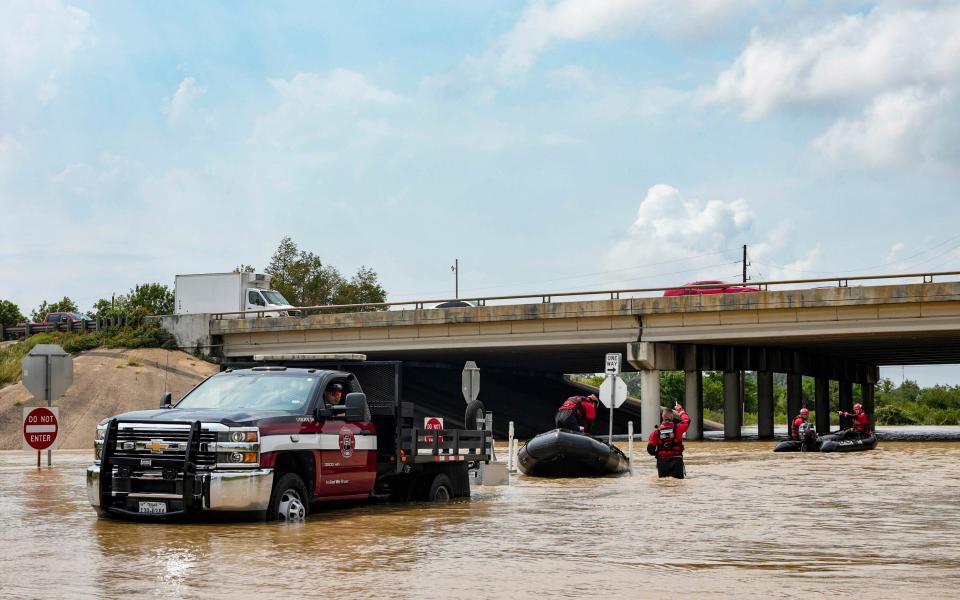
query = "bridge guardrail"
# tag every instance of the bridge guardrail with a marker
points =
(25, 331)
(926, 277)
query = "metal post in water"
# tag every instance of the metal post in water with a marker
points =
(613, 401)
(630, 445)
(510, 447)
(46, 393)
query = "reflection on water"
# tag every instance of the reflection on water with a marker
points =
(746, 523)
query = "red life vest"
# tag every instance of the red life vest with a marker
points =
(795, 428)
(669, 443)
(861, 423)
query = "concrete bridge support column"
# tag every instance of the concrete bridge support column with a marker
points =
(693, 403)
(732, 410)
(867, 391)
(649, 400)
(794, 396)
(822, 403)
(765, 405)
(846, 402)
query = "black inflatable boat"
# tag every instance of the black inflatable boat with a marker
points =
(808, 442)
(838, 443)
(562, 453)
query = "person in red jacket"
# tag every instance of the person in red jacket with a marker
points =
(800, 420)
(666, 443)
(861, 423)
(577, 413)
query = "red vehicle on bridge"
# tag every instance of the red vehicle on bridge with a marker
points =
(54, 321)
(710, 287)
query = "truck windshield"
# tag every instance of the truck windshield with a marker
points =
(274, 297)
(257, 391)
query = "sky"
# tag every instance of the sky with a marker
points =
(547, 145)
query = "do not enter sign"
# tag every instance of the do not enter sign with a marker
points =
(40, 427)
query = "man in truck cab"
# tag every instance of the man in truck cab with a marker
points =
(333, 395)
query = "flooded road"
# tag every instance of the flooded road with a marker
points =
(746, 523)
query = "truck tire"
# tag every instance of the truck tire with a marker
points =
(288, 501)
(474, 413)
(441, 490)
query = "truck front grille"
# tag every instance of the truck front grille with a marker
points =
(170, 443)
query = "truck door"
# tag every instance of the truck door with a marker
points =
(254, 300)
(347, 451)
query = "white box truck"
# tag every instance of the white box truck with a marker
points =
(229, 292)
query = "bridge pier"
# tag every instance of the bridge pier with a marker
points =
(693, 402)
(649, 400)
(867, 391)
(846, 402)
(765, 405)
(732, 409)
(794, 396)
(822, 403)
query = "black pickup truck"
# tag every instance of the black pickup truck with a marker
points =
(263, 440)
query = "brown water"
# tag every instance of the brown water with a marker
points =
(746, 523)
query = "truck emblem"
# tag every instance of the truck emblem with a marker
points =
(346, 443)
(156, 446)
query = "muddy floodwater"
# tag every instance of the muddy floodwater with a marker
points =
(746, 523)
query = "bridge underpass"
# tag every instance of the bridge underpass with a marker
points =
(840, 333)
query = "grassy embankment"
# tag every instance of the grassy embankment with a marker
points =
(144, 336)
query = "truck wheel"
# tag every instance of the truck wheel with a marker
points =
(441, 490)
(474, 413)
(288, 501)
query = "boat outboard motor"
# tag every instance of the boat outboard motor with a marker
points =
(808, 437)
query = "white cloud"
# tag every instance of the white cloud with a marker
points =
(855, 57)
(908, 126)
(340, 86)
(684, 239)
(672, 228)
(38, 39)
(544, 24)
(181, 104)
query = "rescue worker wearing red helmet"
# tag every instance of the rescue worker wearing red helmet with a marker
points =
(797, 422)
(577, 413)
(861, 422)
(666, 442)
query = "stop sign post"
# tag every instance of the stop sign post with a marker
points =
(41, 428)
(47, 373)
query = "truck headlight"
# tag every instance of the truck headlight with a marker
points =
(237, 436)
(238, 446)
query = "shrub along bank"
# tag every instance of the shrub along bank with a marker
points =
(150, 335)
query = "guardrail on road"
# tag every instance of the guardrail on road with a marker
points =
(611, 294)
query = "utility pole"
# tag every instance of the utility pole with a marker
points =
(745, 264)
(456, 278)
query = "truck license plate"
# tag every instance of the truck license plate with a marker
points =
(153, 507)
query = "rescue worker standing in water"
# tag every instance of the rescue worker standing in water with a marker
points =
(577, 413)
(666, 443)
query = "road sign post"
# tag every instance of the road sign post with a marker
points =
(613, 390)
(41, 428)
(470, 381)
(47, 373)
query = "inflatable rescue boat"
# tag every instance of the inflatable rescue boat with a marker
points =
(563, 453)
(837, 443)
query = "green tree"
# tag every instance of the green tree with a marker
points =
(363, 288)
(150, 299)
(305, 281)
(10, 314)
(671, 387)
(63, 305)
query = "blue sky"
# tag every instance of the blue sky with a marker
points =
(557, 145)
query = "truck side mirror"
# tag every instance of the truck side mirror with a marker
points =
(357, 410)
(166, 401)
(322, 413)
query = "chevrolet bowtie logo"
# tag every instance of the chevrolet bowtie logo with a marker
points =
(156, 446)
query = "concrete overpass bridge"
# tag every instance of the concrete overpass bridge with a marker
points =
(841, 332)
